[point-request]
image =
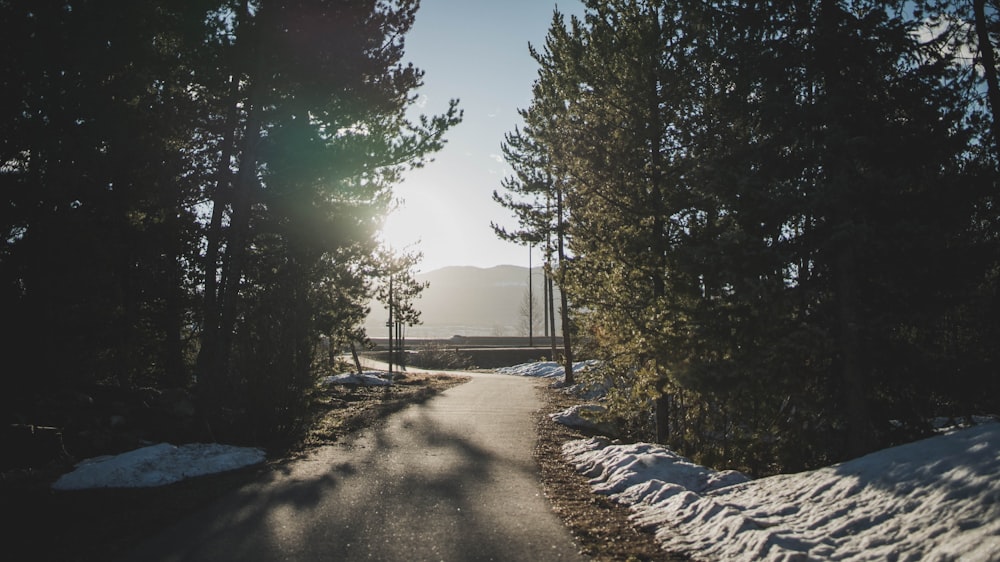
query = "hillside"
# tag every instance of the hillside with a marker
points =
(470, 301)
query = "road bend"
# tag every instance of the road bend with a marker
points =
(451, 479)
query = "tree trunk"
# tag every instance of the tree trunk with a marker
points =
(175, 371)
(209, 368)
(563, 300)
(213, 239)
(859, 430)
(659, 242)
(989, 68)
(357, 360)
(550, 304)
(662, 416)
(852, 377)
(551, 308)
(236, 252)
(545, 304)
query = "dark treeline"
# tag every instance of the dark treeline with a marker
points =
(193, 191)
(780, 216)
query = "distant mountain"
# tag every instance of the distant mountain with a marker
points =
(470, 301)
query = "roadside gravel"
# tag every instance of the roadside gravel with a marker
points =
(600, 526)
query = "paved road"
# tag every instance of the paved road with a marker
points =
(451, 479)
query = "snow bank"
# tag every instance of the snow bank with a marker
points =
(368, 378)
(936, 499)
(543, 369)
(583, 416)
(616, 468)
(157, 465)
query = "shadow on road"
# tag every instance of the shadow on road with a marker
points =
(451, 479)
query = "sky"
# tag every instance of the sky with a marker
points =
(935, 499)
(475, 51)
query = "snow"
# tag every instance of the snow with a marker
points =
(936, 499)
(162, 464)
(367, 378)
(157, 465)
(585, 416)
(581, 416)
(543, 369)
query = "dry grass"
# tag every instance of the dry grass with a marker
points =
(600, 526)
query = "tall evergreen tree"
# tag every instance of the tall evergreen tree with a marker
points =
(534, 194)
(98, 169)
(320, 136)
(768, 203)
(238, 150)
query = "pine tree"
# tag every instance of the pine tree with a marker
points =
(320, 136)
(535, 196)
(242, 152)
(101, 177)
(765, 201)
(603, 86)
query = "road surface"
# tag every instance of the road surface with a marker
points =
(450, 479)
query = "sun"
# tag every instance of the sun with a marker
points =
(420, 223)
(445, 211)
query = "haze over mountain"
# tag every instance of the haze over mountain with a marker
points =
(470, 301)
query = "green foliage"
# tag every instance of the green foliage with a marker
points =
(321, 135)
(780, 216)
(194, 191)
(398, 288)
(98, 220)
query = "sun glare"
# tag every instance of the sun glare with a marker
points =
(420, 224)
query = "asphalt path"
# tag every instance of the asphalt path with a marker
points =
(451, 479)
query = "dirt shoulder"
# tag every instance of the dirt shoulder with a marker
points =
(601, 526)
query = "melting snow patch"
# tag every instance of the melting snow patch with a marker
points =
(157, 465)
(583, 416)
(543, 369)
(368, 378)
(936, 499)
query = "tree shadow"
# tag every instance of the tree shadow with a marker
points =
(411, 488)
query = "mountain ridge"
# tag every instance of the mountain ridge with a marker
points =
(470, 301)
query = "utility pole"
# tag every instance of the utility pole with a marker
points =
(550, 304)
(400, 348)
(545, 307)
(531, 304)
(390, 325)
